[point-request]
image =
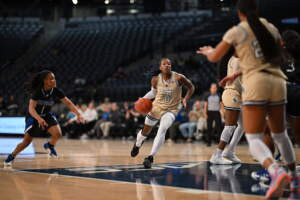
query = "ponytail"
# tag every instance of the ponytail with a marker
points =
(271, 49)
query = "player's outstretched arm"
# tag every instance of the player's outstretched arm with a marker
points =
(73, 108)
(215, 54)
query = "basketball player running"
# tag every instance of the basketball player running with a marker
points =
(257, 43)
(43, 91)
(231, 99)
(166, 89)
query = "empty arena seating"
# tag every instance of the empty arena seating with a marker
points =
(16, 35)
(89, 50)
(210, 32)
(93, 48)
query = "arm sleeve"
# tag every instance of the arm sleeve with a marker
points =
(151, 94)
(59, 93)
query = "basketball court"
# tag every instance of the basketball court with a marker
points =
(103, 169)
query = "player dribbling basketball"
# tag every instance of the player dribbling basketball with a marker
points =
(167, 91)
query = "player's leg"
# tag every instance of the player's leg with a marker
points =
(283, 143)
(142, 135)
(231, 118)
(218, 123)
(31, 126)
(259, 150)
(165, 122)
(280, 136)
(20, 147)
(209, 128)
(55, 133)
(229, 152)
(268, 139)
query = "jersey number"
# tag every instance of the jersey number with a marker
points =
(167, 96)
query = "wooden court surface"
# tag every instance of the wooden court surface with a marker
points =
(16, 185)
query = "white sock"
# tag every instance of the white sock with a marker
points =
(237, 135)
(257, 148)
(139, 139)
(165, 122)
(285, 146)
(227, 133)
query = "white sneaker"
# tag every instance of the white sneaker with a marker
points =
(231, 156)
(217, 159)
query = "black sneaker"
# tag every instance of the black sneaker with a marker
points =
(135, 150)
(50, 148)
(148, 162)
(9, 160)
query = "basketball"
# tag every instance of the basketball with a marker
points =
(143, 105)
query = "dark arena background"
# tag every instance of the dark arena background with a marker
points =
(103, 54)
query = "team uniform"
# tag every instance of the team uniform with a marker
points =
(168, 99)
(231, 96)
(292, 71)
(45, 100)
(263, 83)
(166, 105)
(231, 99)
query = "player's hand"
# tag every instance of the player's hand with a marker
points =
(80, 119)
(227, 79)
(42, 123)
(184, 102)
(205, 50)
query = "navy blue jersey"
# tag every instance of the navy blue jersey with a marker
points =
(292, 71)
(46, 99)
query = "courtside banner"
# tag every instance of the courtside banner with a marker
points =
(12, 125)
